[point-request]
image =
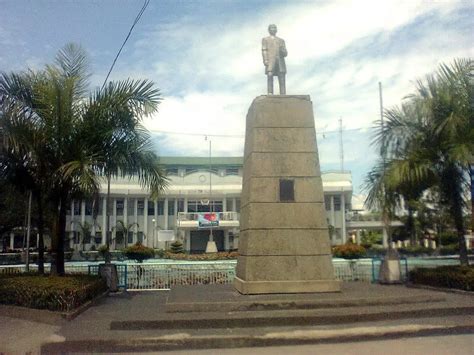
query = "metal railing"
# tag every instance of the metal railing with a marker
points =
(194, 216)
(163, 276)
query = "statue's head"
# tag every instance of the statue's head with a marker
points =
(272, 29)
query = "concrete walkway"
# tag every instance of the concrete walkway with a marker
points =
(93, 330)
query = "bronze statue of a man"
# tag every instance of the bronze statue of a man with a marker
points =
(274, 53)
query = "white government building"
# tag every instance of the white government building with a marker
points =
(195, 187)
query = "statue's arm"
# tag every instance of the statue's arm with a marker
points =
(264, 52)
(283, 50)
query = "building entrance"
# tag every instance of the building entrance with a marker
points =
(200, 238)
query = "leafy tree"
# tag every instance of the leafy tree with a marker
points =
(122, 227)
(428, 142)
(69, 140)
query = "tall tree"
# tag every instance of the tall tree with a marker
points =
(76, 139)
(430, 139)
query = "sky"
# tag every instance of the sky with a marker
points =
(205, 57)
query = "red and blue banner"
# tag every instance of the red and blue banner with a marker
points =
(208, 219)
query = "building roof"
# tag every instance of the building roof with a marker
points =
(204, 161)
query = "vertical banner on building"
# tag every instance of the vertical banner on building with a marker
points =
(208, 219)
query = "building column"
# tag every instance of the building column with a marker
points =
(165, 213)
(125, 212)
(226, 240)
(12, 240)
(83, 212)
(155, 225)
(104, 219)
(175, 217)
(224, 204)
(358, 236)
(145, 221)
(185, 205)
(332, 214)
(343, 214)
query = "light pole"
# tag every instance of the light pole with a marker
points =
(211, 244)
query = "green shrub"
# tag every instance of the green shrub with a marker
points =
(451, 249)
(459, 277)
(55, 293)
(177, 247)
(103, 250)
(160, 253)
(138, 252)
(375, 250)
(203, 257)
(349, 251)
(415, 250)
(448, 238)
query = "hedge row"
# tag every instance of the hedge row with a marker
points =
(459, 277)
(202, 257)
(349, 251)
(54, 293)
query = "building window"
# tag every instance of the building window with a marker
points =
(232, 171)
(140, 207)
(89, 208)
(151, 208)
(170, 207)
(98, 237)
(190, 171)
(161, 207)
(172, 171)
(237, 205)
(76, 237)
(180, 205)
(130, 237)
(140, 237)
(119, 209)
(337, 203)
(77, 208)
(327, 202)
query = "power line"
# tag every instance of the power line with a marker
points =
(140, 13)
(242, 136)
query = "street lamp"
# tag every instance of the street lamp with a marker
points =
(154, 228)
(211, 244)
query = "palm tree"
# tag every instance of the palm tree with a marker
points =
(76, 140)
(125, 229)
(429, 141)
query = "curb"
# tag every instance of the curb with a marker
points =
(47, 316)
(263, 320)
(184, 341)
(440, 289)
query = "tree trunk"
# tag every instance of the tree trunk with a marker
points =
(459, 224)
(59, 236)
(411, 226)
(40, 234)
(107, 225)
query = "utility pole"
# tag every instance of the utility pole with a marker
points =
(341, 145)
(28, 232)
(385, 217)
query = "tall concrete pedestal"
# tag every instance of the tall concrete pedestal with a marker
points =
(284, 241)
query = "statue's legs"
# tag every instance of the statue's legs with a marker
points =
(281, 82)
(270, 83)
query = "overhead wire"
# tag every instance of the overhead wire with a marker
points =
(243, 136)
(137, 18)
